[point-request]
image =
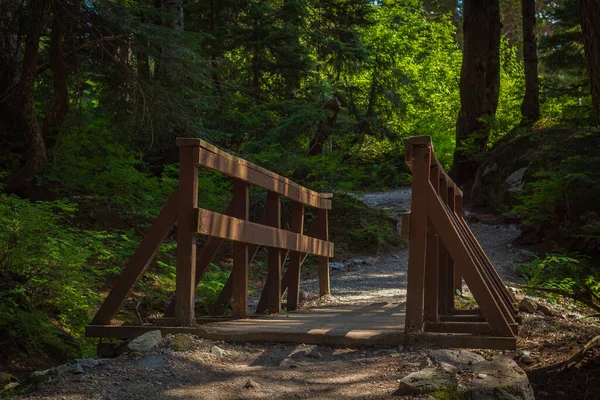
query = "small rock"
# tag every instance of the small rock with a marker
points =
(427, 380)
(181, 342)
(152, 361)
(251, 384)
(546, 310)
(338, 266)
(288, 363)
(426, 363)
(310, 351)
(77, 369)
(219, 352)
(145, 342)
(481, 376)
(517, 293)
(528, 305)
(89, 362)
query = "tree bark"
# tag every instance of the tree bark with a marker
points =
(10, 73)
(589, 14)
(24, 102)
(530, 108)
(324, 128)
(60, 103)
(479, 85)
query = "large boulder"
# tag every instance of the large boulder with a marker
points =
(488, 393)
(145, 342)
(459, 359)
(503, 373)
(427, 380)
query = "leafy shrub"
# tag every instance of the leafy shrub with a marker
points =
(566, 274)
(45, 280)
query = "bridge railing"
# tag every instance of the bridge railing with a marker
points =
(234, 224)
(443, 251)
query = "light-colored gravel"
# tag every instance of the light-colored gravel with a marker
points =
(383, 278)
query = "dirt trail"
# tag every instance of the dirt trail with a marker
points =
(383, 278)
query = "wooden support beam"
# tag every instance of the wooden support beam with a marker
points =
(451, 282)
(322, 232)
(227, 292)
(274, 256)
(296, 258)
(240, 252)
(458, 210)
(239, 230)
(493, 311)
(431, 284)
(186, 240)
(446, 294)
(139, 262)
(418, 238)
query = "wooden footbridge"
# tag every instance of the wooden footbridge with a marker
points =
(442, 252)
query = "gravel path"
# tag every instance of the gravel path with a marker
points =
(383, 278)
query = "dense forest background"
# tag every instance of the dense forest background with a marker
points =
(93, 94)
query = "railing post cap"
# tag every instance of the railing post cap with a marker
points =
(188, 142)
(419, 140)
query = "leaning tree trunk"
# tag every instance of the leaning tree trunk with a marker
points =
(23, 102)
(530, 108)
(479, 85)
(589, 14)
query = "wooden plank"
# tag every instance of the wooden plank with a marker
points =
(296, 258)
(322, 232)
(458, 210)
(139, 262)
(236, 170)
(195, 142)
(213, 224)
(240, 253)
(274, 256)
(458, 250)
(186, 240)
(261, 307)
(430, 289)
(418, 239)
(474, 328)
(451, 287)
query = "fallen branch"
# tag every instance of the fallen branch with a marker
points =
(587, 300)
(580, 355)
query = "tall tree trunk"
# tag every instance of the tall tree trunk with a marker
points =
(479, 84)
(10, 74)
(24, 102)
(60, 102)
(530, 108)
(589, 14)
(175, 10)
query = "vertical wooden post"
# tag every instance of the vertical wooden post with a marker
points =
(274, 257)
(296, 258)
(443, 260)
(451, 269)
(431, 286)
(186, 239)
(418, 237)
(458, 210)
(239, 300)
(322, 232)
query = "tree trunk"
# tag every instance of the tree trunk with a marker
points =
(479, 85)
(24, 102)
(530, 108)
(589, 14)
(175, 10)
(324, 128)
(60, 102)
(10, 74)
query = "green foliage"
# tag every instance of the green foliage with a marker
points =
(565, 195)
(356, 228)
(211, 285)
(568, 274)
(45, 280)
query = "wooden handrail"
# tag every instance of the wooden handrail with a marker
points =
(228, 164)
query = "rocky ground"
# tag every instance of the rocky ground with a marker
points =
(184, 367)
